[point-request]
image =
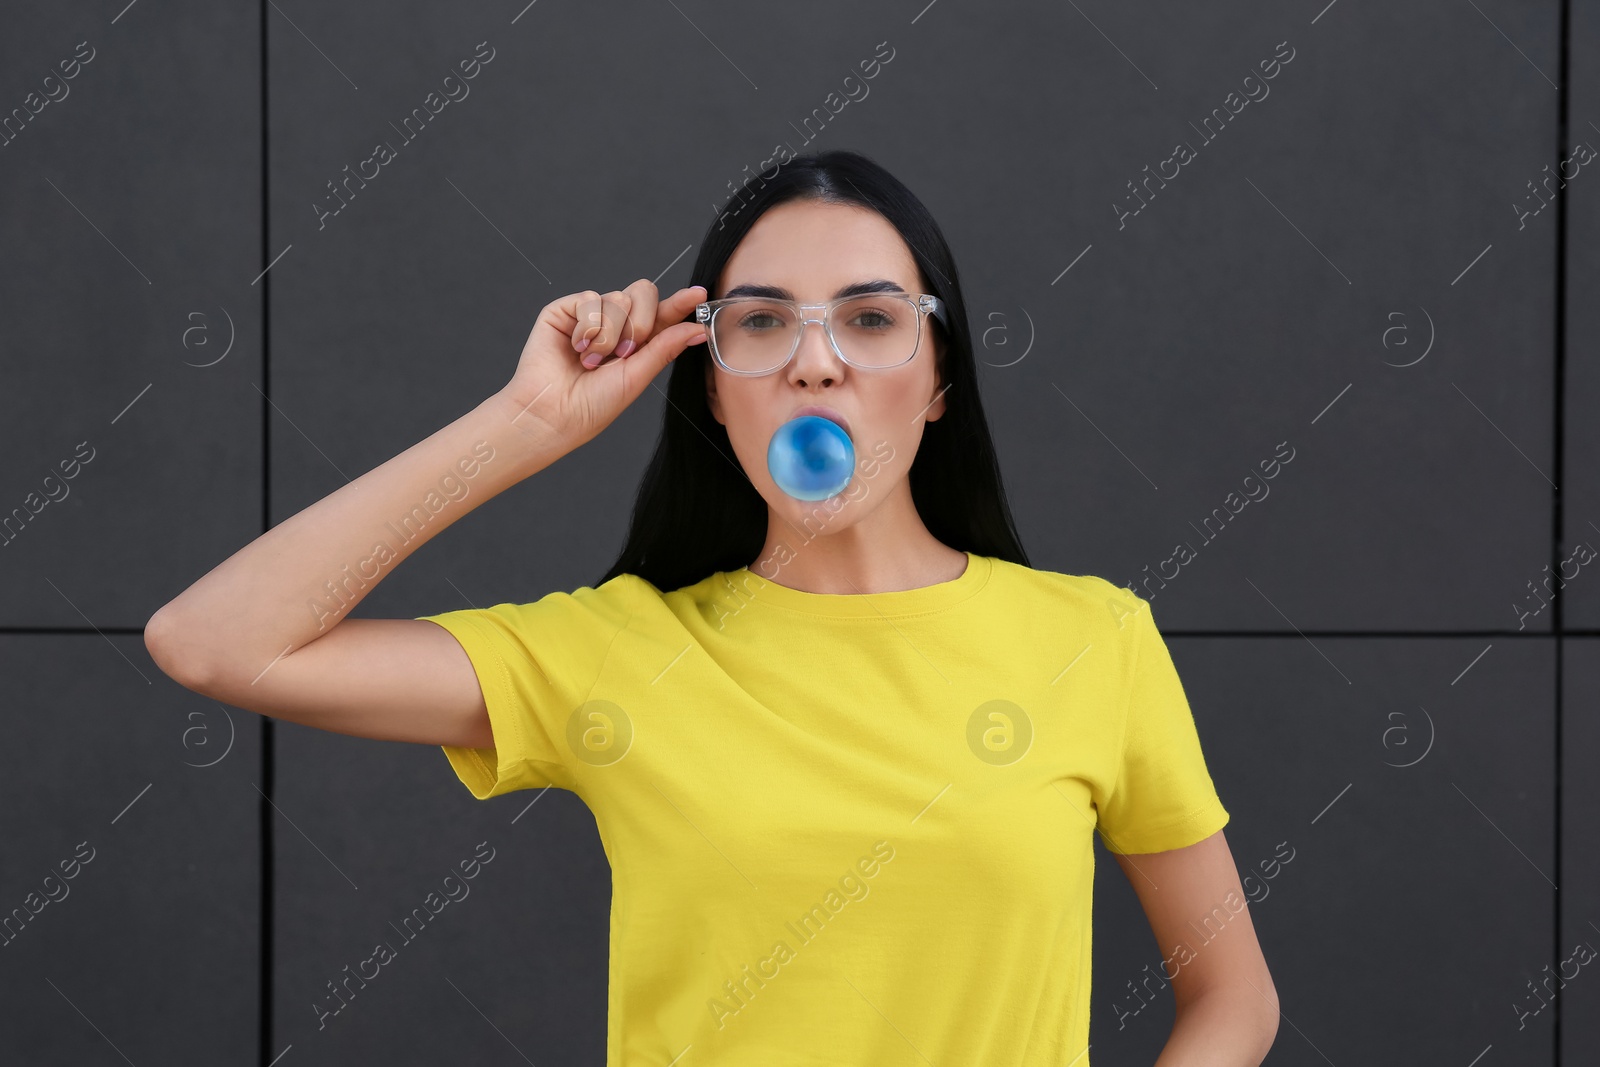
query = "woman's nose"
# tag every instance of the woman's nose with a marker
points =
(815, 355)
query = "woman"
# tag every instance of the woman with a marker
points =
(848, 758)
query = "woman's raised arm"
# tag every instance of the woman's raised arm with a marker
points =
(268, 629)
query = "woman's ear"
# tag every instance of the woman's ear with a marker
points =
(713, 401)
(936, 407)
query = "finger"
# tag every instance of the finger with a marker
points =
(600, 326)
(574, 311)
(640, 368)
(652, 315)
(678, 306)
(674, 309)
(641, 322)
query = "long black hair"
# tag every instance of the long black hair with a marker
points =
(697, 512)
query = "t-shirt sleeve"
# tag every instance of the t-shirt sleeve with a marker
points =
(1162, 797)
(536, 664)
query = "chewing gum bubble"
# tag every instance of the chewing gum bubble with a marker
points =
(811, 458)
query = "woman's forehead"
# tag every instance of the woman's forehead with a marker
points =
(816, 250)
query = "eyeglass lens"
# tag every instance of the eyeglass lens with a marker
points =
(877, 330)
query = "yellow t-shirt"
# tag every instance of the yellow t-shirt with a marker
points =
(846, 829)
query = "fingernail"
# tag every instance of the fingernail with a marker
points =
(581, 345)
(624, 348)
(592, 360)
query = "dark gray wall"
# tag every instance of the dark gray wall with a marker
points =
(1283, 288)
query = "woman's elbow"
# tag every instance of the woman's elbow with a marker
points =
(171, 649)
(1264, 1012)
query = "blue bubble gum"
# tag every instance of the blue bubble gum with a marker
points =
(811, 458)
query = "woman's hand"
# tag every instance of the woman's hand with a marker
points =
(628, 335)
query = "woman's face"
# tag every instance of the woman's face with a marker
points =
(813, 250)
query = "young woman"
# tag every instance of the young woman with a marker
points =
(848, 757)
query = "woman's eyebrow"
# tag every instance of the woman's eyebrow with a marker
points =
(777, 292)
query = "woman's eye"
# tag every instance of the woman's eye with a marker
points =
(872, 320)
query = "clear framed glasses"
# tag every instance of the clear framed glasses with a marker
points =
(754, 335)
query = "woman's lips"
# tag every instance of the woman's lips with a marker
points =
(826, 413)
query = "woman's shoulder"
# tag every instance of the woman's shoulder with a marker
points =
(1091, 585)
(632, 596)
(615, 598)
(1087, 594)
